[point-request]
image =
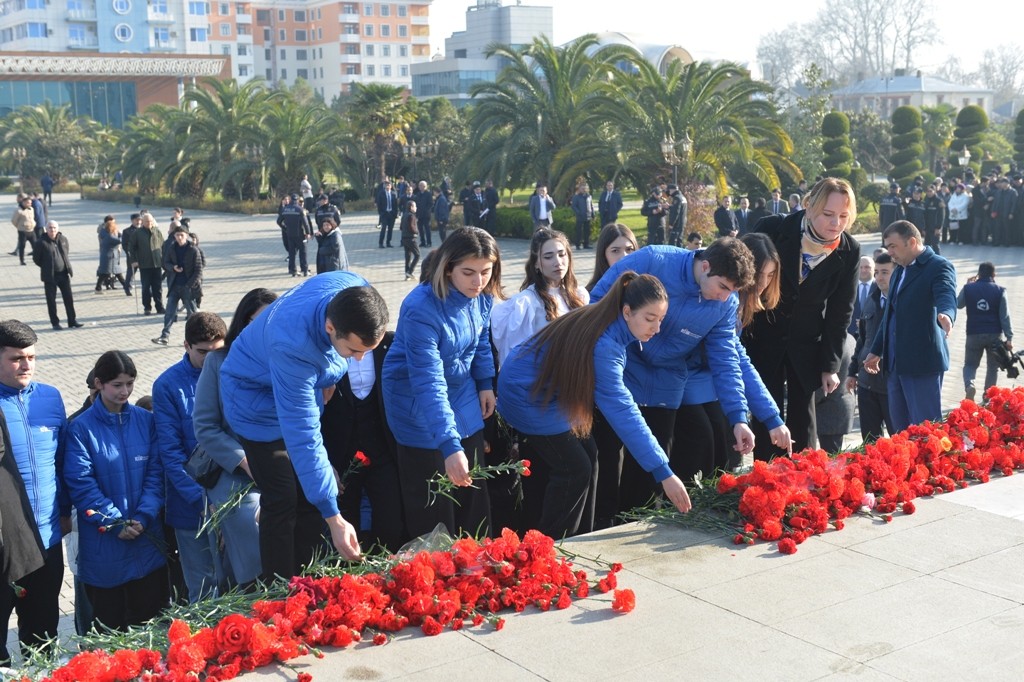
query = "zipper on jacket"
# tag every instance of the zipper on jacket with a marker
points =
(30, 439)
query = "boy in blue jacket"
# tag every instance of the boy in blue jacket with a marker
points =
(174, 398)
(274, 383)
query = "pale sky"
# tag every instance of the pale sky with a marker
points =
(731, 31)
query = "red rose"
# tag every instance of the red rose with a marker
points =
(624, 601)
(787, 546)
(232, 633)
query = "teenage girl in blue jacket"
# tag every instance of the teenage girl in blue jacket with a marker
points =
(116, 484)
(438, 381)
(550, 400)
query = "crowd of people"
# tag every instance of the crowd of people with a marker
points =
(329, 429)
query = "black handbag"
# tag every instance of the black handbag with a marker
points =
(201, 467)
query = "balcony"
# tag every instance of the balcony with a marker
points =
(85, 14)
(420, 40)
(243, 18)
(160, 17)
(163, 46)
(349, 38)
(88, 43)
(350, 59)
(348, 18)
(419, 21)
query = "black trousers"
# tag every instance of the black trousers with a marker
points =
(387, 226)
(636, 486)
(152, 289)
(291, 528)
(582, 232)
(694, 445)
(567, 506)
(796, 406)
(379, 483)
(416, 466)
(609, 471)
(132, 603)
(412, 254)
(23, 239)
(874, 412)
(62, 281)
(38, 612)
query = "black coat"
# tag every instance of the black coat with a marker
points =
(21, 550)
(46, 253)
(808, 327)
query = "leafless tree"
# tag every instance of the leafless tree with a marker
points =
(1000, 70)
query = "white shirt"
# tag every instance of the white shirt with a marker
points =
(361, 375)
(306, 189)
(521, 316)
(543, 212)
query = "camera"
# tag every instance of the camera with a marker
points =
(1008, 361)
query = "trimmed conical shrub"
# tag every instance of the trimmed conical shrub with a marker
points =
(907, 147)
(971, 122)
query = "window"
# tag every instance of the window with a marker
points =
(284, 53)
(371, 70)
(385, 10)
(301, 54)
(280, 15)
(368, 30)
(158, 6)
(243, 50)
(386, 71)
(123, 32)
(284, 74)
(403, 71)
(243, 70)
(224, 9)
(263, 17)
(282, 35)
(403, 50)
(76, 33)
(162, 35)
(300, 35)
(349, 8)
(351, 29)
(369, 50)
(403, 31)
(402, 11)
(225, 30)
(385, 50)
(198, 9)
(225, 50)
(300, 16)
(318, 16)
(120, 6)
(319, 34)
(351, 70)
(367, 10)
(321, 71)
(267, 35)
(385, 31)
(270, 74)
(198, 35)
(303, 74)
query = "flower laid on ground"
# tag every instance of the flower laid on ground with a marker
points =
(441, 485)
(470, 582)
(792, 498)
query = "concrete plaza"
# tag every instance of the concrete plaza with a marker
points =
(936, 595)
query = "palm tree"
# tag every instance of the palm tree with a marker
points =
(52, 141)
(299, 139)
(535, 109)
(380, 116)
(727, 116)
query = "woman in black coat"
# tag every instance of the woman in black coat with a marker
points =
(797, 347)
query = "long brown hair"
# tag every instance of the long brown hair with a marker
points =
(763, 249)
(463, 243)
(574, 336)
(609, 233)
(568, 286)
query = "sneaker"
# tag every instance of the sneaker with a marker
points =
(160, 340)
(408, 277)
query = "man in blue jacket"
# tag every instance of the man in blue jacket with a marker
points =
(274, 383)
(701, 287)
(912, 341)
(38, 427)
(174, 398)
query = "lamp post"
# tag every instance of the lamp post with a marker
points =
(669, 153)
(964, 159)
(414, 150)
(20, 154)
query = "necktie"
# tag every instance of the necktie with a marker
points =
(389, 202)
(883, 300)
(863, 294)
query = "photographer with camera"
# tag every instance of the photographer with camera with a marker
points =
(988, 325)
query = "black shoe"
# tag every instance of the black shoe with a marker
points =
(379, 246)
(13, 253)
(57, 327)
(161, 311)
(160, 340)
(76, 324)
(389, 246)
(147, 312)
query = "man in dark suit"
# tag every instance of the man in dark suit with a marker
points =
(911, 344)
(743, 221)
(777, 206)
(424, 200)
(872, 394)
(491, 200)
(387, 210)
(725, 218)
(354, 421)
(51, 254)
(475, 207)
(610, 203)
(865, 272)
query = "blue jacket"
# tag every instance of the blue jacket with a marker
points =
(174, 399)
(700, 387)
(439, 362)
(917, 295)
(111, 466)
(527, 413)
(657, 376)
(270, 382)
(38, 425)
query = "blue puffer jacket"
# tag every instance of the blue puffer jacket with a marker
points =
(111, 467)
(527, 413)
(657, 377)
(439, 362)
(270, 382)
(174, 399)
(38, 425)
(700, 387)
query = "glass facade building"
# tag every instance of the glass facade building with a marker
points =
(111, 103)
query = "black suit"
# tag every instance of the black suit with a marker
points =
(51, 255)
(725, 221)
(744, 221)
(349, 425)
(387, 210)
(803, 336)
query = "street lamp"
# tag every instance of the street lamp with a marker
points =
(964, 159)
(668, 151)
(414, 150)
(20, 154)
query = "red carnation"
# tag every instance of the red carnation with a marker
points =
(431, 627)
(362, 458)
(380, 638)
(787, 546)
(524, 472)
(525, 463)
(499, 624)
(909, 508)
(89, 512)
(624, 601)
(305, 677)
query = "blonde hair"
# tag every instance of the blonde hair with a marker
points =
(818, 196)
